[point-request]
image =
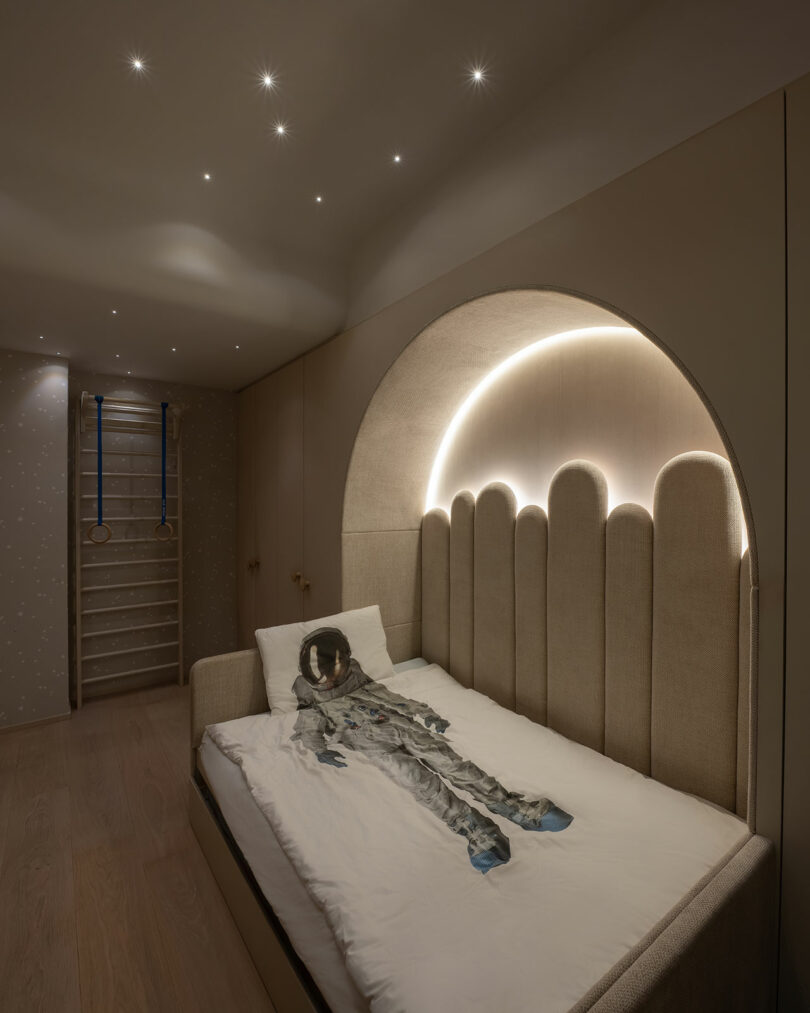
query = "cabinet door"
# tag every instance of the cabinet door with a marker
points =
(245, 512)
(278, 496)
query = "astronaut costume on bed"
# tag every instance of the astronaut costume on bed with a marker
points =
(338, 702)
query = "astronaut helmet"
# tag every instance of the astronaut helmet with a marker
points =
(325, 658)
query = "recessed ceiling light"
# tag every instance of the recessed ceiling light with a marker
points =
(318, 198)
(117, 355)
(129, 372)
(236, 347)
(478, 74)
(137, 63)
(42, 337)
(280, 129)
(115, 313)
(58, 353)
(174, 349)
(397, 159)
(207, 177)
(267, 80)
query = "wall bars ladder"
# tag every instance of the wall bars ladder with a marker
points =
(129, 572)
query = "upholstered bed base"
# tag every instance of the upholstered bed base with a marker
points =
(714, 952)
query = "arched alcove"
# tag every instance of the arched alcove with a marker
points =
(599, 389)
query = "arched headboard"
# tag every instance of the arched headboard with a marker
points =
(628, 635)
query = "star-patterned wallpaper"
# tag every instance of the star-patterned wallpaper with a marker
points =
(33, 538)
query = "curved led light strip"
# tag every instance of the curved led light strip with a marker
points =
(493, 377)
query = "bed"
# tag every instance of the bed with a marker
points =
(601, 661)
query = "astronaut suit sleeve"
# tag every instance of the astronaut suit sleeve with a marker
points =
(311, 727)
(410, 708)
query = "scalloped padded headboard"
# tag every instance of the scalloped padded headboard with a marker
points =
(629, 636)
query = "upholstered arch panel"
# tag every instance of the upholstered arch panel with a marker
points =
(531, 672)
(436, 586)
(627, 633)
(577, 509)
(695, 657)
(462, 514)
(494, 594)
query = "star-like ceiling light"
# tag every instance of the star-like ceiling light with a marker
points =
(478, 75)
(280, 129)
(318, 198)
(137, 63)
(207, 177)
(114, 312)
(397, 159)
(267, 80)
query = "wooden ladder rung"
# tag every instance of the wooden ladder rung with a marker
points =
(133, 671)
(126, 608)
(139, 517)
(127, 541)
(130, 650)
(127, 474)
(127, 453)
(134, 583)
(131, 562)
(129, 629)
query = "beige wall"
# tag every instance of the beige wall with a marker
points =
(33, 538)
(209, 503)
(794, 968)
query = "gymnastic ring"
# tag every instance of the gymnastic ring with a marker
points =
(99, 541)
(164, 524)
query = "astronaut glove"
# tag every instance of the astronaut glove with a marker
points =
(332, 757)
(439, 723)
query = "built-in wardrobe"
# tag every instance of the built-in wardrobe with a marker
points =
(271, 582)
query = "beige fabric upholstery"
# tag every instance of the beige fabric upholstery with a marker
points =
(404, 641)
(576, 603)
(744, 687)
(222, 688)
(383, 568)
(462, 525)
(531, 550)
(494, 594)
(436, 588)
(697, 958)
(628, 635)
(696, 574)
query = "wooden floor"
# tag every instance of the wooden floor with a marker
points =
(106, 901)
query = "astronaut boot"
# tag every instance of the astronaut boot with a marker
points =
(532, 814)
(486, 845)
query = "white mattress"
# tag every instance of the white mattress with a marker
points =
(303, 921)
(292, 903)
(669, 837)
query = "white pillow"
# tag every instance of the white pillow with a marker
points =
(280, 647)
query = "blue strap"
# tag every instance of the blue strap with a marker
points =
(99, 399)
(163, 406)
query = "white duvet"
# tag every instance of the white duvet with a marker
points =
(420, 929)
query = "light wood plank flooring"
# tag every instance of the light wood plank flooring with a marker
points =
(106, 901)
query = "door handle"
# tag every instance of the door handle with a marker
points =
(299, 579)
(253, 564)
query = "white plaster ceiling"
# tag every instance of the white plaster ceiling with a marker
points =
(103, 204)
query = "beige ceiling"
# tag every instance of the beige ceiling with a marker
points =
(103, 204)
